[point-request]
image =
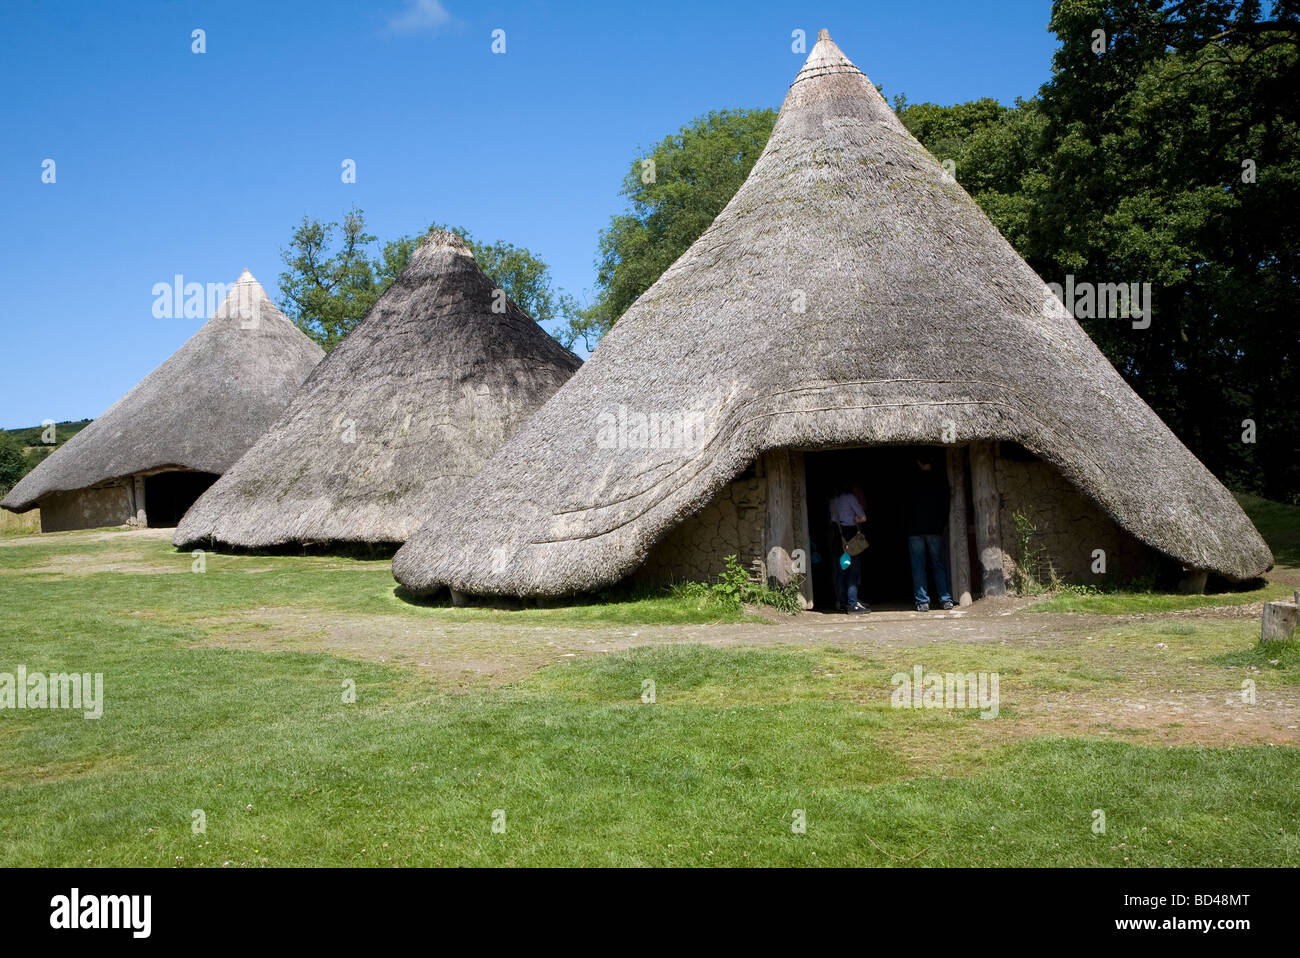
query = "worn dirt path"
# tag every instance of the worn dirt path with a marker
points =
(1144, 677)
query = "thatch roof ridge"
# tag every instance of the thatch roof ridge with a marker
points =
(851, 293)
(825, 58)
(200, 409)
(440, 372)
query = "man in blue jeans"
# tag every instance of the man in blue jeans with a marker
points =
(927, 520)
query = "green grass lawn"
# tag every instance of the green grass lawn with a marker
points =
(63, 564)
(712, 772)
(584, 773)
(1122, 602)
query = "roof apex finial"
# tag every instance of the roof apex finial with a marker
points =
(823, 34)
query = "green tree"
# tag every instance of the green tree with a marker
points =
(994, 151)
(328, 293)
(675, 191)
(1173, 157)
(13, 464)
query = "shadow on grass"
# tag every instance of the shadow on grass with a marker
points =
(618, 595)
(341, 550)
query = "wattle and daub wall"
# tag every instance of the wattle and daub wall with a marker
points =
(94, 508)
(733, 523)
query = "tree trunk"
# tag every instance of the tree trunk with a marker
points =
(1279, 621)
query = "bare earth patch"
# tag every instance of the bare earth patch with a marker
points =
(1141, 677)
(1144, 692)
(88, 535)
(122, 555)
(88, 563)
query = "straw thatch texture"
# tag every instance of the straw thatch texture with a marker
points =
(851, 293)
(200, 410)
(409, 406)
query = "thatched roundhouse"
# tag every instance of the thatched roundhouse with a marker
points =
(145, 460)
(851, 304)
(443, 369)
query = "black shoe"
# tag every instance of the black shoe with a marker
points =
(947, 606)
(860, 609)
(923, 607)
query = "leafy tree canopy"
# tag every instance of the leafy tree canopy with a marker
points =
(675, 191)
(13, 464)
(336, 271)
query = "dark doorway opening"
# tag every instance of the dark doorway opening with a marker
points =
(169, 495)
(882, 475)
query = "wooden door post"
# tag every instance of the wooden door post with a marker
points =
(988, 536)
(778, 538)
(802, 534)
(958, 556)
(141, 507)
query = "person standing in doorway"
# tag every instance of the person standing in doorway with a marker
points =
(927, 521)
(846, 514)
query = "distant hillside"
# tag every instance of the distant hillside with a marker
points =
(21, 450)
(63, 431)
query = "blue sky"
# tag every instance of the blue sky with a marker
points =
(173, 162)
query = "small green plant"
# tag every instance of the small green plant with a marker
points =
(1082, 590)
(735, 588)
(786, 598)
(1026, 582)
(1035, 571)
(733, 584)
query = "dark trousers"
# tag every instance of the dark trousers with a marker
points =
(846, 580)
(931, 546)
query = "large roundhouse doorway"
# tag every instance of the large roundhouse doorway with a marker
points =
(169, 495)
(880, 475)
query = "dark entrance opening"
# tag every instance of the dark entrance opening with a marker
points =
(169, 495)
(881, 474)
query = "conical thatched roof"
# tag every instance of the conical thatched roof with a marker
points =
(408, 407)
(200, 410)
(916, 315)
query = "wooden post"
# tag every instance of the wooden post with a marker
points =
(802, 534)
(459, 599)
(141, 513)
(988, 536)
(1279, 621)
(1193, 581)
(778, 538)
(958, 556)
